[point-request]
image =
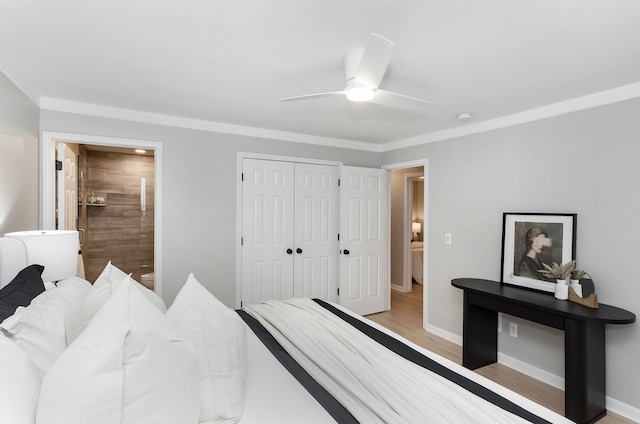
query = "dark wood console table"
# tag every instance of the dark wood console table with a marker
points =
(584, 337)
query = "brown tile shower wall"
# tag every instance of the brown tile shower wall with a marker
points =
(119, 232)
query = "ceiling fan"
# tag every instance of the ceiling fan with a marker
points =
(364, 69)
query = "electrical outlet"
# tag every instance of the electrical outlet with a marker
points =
(513, 329)
(499, 322)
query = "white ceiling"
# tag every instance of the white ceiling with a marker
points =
(224, 63)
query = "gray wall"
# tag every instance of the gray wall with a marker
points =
(585, 162)
(199, 192)
(18, 159)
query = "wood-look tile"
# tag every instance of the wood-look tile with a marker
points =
(120, 232)
(98, 220)
(95, 174)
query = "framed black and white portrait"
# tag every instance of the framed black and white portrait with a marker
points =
(530, 240)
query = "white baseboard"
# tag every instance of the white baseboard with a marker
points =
(398, 287)
(623, 409)
(453, 338)
(533, 372)
(613, 405)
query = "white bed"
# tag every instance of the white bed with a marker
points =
(273, 395)
(520, 401)
(269, 393)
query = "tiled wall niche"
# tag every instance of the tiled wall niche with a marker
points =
(117, 231)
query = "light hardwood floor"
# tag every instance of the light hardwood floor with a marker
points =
(405, 318)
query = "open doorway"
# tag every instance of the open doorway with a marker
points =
(127, 202)
(407, 222)
(408, 253)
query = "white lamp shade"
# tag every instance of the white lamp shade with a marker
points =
(56, 250)
(415, 227)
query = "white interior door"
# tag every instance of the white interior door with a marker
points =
(316, 231)
(267, 230)
(67, 189)
(364, 278)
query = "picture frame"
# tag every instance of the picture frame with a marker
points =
(532, 239)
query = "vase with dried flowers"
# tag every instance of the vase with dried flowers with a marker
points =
(560, 272)
(574, 281)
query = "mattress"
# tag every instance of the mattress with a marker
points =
(274, 395)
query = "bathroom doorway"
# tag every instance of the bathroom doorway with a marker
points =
(118, 203)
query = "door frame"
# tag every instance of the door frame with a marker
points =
(425, 227)
(260, 156)
(47, 189)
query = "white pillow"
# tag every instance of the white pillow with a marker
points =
(20, 384)
(219, 335)
(104, 285)
(129, 366)
(39, 329)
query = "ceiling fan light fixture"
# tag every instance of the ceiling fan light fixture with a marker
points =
(359, 93)
(364, 68)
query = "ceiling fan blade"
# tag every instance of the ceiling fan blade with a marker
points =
(374, 61)
(387, 98)
(307, 96)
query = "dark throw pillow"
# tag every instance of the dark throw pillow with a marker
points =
(21, 290)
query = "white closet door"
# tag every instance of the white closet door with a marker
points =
(364, 279)
(267, 220)
(316, 231)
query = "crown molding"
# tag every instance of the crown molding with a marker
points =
(620, 94)
(602, 98)
(68, 106)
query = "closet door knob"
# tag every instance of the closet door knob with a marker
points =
(289, 251)
(345, 251)
(298, 250)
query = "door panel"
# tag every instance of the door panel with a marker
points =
(267, 217)
(67, 189)
(363, 234)
(316, 231)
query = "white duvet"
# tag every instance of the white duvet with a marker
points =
(373, 383)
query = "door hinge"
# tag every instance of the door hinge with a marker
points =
(241, 303)
(338, 182)
(58, 165)
(338, 236)
(338, 291)
(242, 176)
(241, 241)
